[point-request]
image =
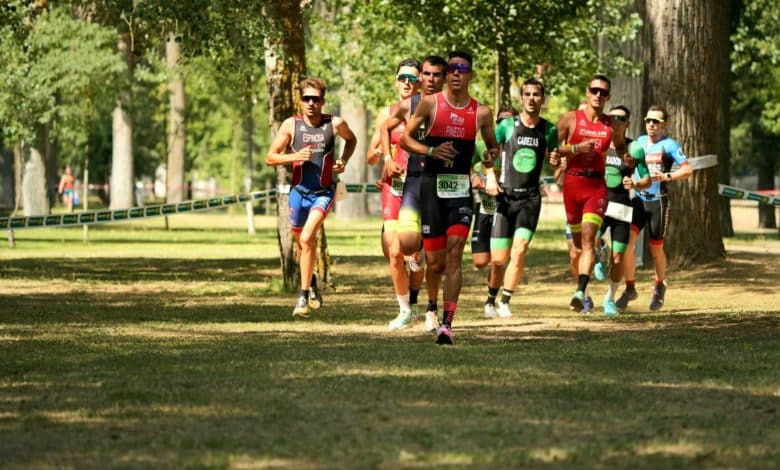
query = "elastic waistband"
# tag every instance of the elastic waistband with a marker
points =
(584, 173)
(531, 190)
(314, 192)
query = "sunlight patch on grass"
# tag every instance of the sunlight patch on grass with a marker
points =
(678, 449)
(552, 454)
(246, 462)
(77, 416)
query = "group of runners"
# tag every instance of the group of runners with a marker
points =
(432, 161)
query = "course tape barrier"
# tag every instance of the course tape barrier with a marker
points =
(103, 216)
(738, 193)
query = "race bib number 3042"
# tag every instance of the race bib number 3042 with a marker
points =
(452, 186)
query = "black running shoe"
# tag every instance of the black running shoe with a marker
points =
(657, 299)
(627, 296)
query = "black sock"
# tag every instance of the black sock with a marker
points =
(432, 307)
(413, 296)
(313, 281)
(506, 295)
(582, 282)
(304, 293)
(492, 293)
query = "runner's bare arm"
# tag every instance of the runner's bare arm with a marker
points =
(276, 152)
(423, 114)
(374, 146)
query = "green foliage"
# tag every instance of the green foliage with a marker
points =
(756, 78)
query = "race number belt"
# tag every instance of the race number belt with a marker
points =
(397, 186)
(452, 186)
(487, 205)
(619, 211)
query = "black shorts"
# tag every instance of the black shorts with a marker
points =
(654, 216)
(480, 235)
(442, 215)
(515, 212)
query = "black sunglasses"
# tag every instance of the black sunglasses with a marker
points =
(654, 121)
(462, 68)
(618, 117)
(311, 99)
(598, 91)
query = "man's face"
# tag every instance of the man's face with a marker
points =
(619, 121)
(598, 94)
(532, 99)
(458, 74)
(655, 124)
(311, 102)
(407, 81)
(432, 78)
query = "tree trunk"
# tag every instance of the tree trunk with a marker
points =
(285, 65)
(18, 166)
(354, 206)
(36, 201)
(121, 186)
(503, 83)
(175, 190)
(51, 156)
(688, 65)
(766, 181)
(6, 177)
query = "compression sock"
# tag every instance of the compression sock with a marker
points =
(613, 287)
(413, 296)
(304, 293)
(506, 295)
(403, 302)
(582, 282)
(449, 312)
(492, 293)
(432, 307)
(630, 285)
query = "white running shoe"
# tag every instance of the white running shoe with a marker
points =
(490, 311)
(431, 321)
(503, 310)
(404, 319)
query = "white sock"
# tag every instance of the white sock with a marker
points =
(612, 289)
(403, 302)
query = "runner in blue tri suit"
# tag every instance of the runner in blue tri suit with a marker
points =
(661, 153)
(307, 142)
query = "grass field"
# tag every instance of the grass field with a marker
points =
(146, 348)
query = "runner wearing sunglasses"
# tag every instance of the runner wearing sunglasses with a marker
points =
(307, 142)
(586, 135)
(409, 235)
(661, 153)
(452, 119)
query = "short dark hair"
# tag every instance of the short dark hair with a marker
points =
(408, 63)
(658, 107)
(436, 60)
(507, 108)
(312, 82)
(532, 82)
(603, 78)
(621, 108)
(463, 55)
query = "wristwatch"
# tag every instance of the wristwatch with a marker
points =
(668, 176)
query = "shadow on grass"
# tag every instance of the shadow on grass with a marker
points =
(673, 397)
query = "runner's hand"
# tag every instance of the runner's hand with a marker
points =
(491, 185)
(628, 182)
(629, 161)
(586, 147)
(445, 152)
(555, 158)
(339, 166)
(304, 154)
(476, 182)
(392, 169)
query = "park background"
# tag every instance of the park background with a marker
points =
(168, 342)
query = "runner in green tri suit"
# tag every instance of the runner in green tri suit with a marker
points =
(527, 140)
(620, 206)
(484, 208)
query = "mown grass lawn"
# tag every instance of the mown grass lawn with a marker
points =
(147, 348)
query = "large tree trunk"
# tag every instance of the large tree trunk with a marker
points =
(36, 201)
(688, 65)
(766, 181)
(121, 186)
(354, 206)
(249, 134)
(176, 190)
(285, 65)
(503, 83)
(6, 177)
(18, 166)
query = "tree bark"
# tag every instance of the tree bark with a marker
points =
(766, 181)
(249, 134)
(36, 201)
(176, 189)
(285, 65)
(354, 206)
(121, 183)
(688, 65)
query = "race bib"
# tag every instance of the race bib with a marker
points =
(619, 211)
(452, 186)
(397, 186)
(488, 205)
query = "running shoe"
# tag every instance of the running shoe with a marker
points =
(587, 305)
(414, 266)
(315, 294)
(503, 310)
(598, 271)
(403, 320)
(657, 299)
(302, 308)
(490, 311)
(444, 335)
(610, 309)
(627, 296)
(431, 321)
(578, 301)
